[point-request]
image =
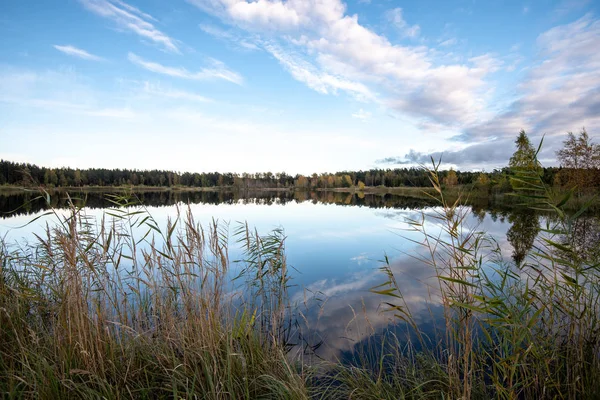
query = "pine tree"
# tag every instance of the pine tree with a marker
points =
(523, 160)
(524, 156)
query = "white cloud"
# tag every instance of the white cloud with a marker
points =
(76, 52)
(449, 42)
(71, 108)
(330, 51)
(395, 17)
(228, 36)
(361, 259)
(219, 71)
(56, 91)
(362, 115)
(135, 10)
(561, 92)
(321, 82)
(216, 32)
(130, 18)
(157, 90)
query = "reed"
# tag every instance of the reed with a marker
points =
(96, 309)
(511, 331)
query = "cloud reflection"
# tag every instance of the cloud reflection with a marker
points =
(343, 312)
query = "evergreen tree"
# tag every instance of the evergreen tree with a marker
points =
(524, 156)
(523, 160)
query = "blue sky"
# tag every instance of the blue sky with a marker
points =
(299, 86)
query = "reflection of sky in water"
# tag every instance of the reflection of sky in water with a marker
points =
(336, 252)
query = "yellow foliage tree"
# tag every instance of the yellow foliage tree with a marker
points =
(451, 178)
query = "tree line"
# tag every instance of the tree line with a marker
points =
(25, 174)
(579, 159)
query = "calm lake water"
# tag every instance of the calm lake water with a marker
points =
(335, 242)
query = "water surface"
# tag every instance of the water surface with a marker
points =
(335, 242)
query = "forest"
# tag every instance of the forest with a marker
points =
(579, 166)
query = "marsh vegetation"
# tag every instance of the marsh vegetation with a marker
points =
(116, 305)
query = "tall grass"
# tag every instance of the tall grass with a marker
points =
(97, 309)
(511, 331)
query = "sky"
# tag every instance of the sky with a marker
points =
(296, 86)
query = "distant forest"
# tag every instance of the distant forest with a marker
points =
(21, 174)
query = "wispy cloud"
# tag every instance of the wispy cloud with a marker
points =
(568, 6)
(449, 42)
(77, 52)
(72, 108)
(111, 112)
(218, 71)
(130, 18)
(230, 37)
(157, 90)
(560, 93)
(362, 115)
(134, 10)
(58, 92)
(395, 17)
(317, 80)
(324, 48)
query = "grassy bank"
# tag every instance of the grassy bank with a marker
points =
(170, 325)
(95, 313)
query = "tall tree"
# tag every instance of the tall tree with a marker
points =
(523, 160)
(580, 158)
(451, 178)
(524, 156)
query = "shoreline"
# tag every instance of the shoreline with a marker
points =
(468, 196)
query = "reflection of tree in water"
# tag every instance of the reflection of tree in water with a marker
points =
(479, 212)
(521, 235)
(32, 202)
(584, 239)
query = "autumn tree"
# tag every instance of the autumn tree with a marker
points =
(483, 180)
(301, 181)
(580, 158)
(451, 178)
(346, 181)
(330, 181)
(337, 181)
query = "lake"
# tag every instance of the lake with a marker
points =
(335, 243)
